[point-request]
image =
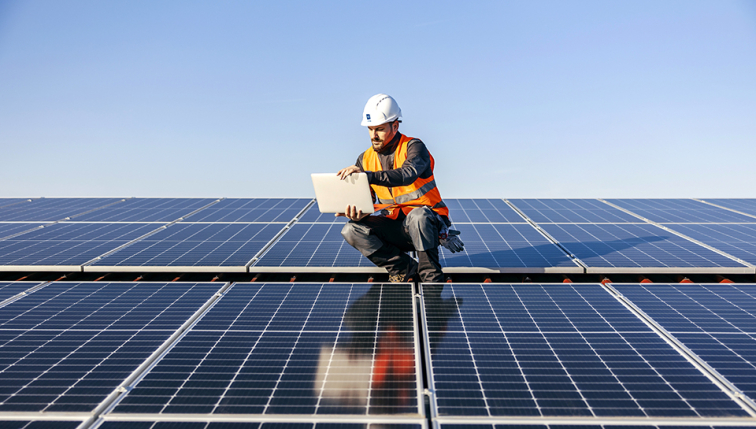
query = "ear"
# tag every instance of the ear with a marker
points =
(395, 126)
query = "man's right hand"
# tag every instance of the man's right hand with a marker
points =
(352, 213)
(345, 172)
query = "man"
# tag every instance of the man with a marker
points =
(410, 214)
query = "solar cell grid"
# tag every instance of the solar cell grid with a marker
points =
(312, 349)
(251, 210)
(633, 246)
(678, 210)
(189, 245)
(39, 424)
(738, 240)
(8, 229)
(506, 246)
(571, 210)
(717, 322)
(744, 205)
(66, 346)
(53, 209)
(146, 210)
(68, 243)
(256, 425)
(481, 210)
(313, 215)
(11, 289)
(11, 201)
(556, 350)
(578, 426)
(313, 245)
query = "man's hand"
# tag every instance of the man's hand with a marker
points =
(344, 172)
(352, 213)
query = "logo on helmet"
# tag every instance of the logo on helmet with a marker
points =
(367, 116)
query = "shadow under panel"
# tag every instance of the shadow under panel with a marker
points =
(637, 246)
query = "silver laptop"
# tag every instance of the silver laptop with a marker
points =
(334, 194)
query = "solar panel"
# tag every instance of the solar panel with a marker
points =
(11, 289)
(678, 210)
(53, 209)
(717, 322)
(481, 210)
(259, 425)
(251, 210)
(11, 201)
(738, 240)
(147, 210)
(68, 244)
(571, 211)
(65, 347)
(629, 247)
(291, 349)
(313, 215)
(507, 247)
(744, 205)
(314, 245)
(39, 424)
(8, 229)
(195, 245)
(566, 425)
(501, 350)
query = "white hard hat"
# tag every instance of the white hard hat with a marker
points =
(380, 108)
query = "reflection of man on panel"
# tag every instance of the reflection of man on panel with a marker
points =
(410, 214)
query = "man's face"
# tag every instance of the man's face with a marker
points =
(380, 135)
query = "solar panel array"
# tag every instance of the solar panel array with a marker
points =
(291, 235)
(337, 355)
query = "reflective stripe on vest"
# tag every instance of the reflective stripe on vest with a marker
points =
(421, 192)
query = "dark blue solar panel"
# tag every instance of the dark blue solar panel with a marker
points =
(11, 289)
(715, 321)
(147, 210)
(68, 243)
(313, 215)
(66, 346)
(189, 244)
(251, 210)
(53, 209)
(481, 210)
(745, 205)
(571, 211)
(577, 426)
(633, 245)
(256, 425)
(738, 240)
(504, 246)
(679, 210)
(313, 245)
(291, 349)
(4, 202)
(39, 424)
(8, 229)
(556, 350)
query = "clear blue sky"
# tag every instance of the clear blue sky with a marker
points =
(247, 98)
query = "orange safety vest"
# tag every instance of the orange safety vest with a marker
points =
(421, 192)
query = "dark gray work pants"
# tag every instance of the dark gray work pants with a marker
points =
(384, 241)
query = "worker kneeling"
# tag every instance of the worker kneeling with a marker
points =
(409, 214)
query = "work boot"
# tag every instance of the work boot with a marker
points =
(399, 265)
(430, 267)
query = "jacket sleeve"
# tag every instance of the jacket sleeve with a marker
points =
(416, 165)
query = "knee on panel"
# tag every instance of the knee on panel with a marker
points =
(354, 232)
